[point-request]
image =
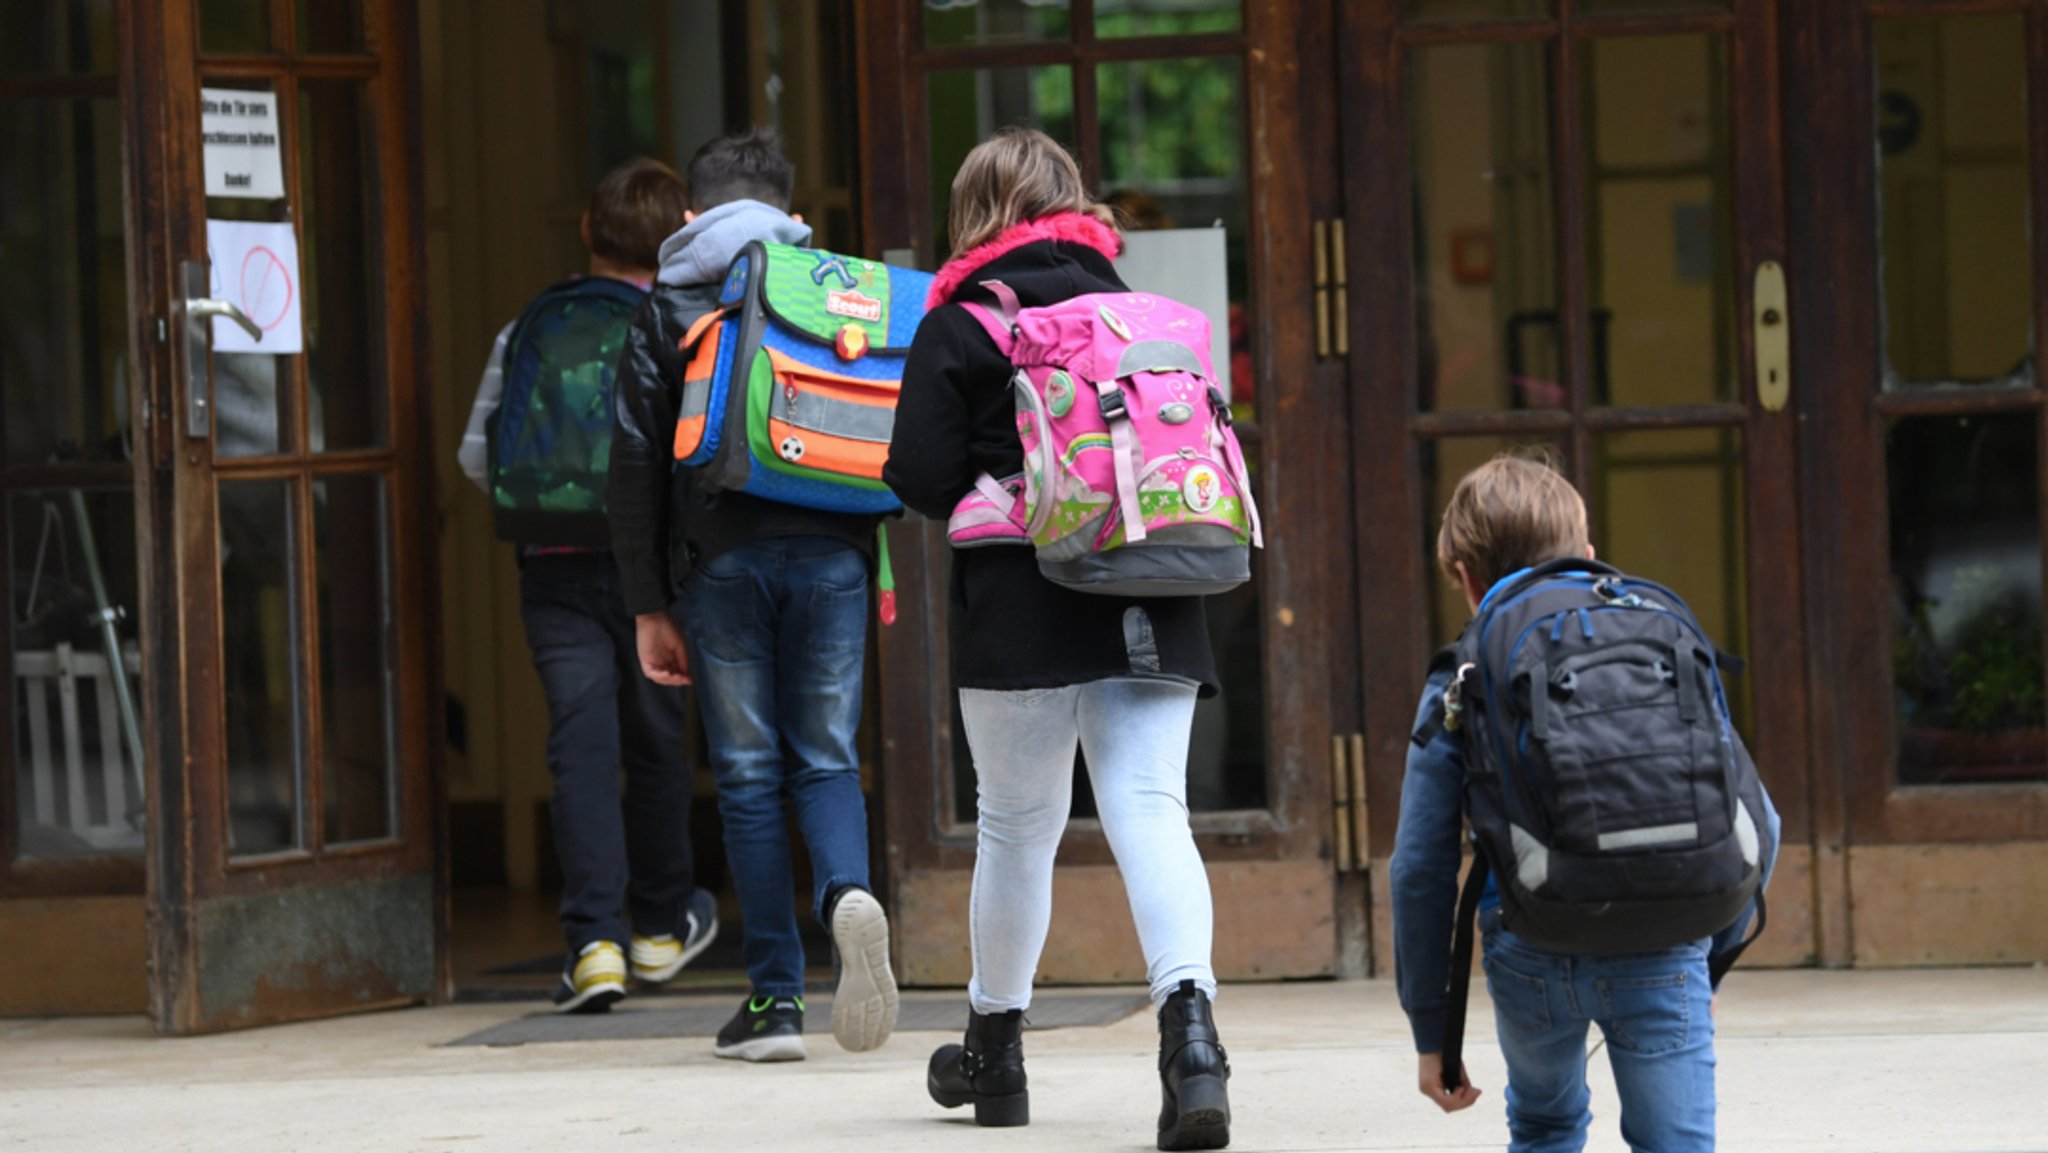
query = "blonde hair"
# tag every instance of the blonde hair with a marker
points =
(1018, 174)
(1512, 512)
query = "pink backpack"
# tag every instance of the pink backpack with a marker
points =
(1133, 482)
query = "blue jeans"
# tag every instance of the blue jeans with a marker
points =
(1653, 1009)
(778, 641)
(603, 714)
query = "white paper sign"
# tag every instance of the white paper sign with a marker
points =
(1189, 265)
(256, 267)
(244, 155)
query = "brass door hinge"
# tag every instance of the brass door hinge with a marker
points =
(1332, 292)
(1349, 808)
(1340, 799)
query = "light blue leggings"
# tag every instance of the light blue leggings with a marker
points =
(1135, 735)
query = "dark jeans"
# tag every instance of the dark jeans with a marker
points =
(778, 636)
(604, 714)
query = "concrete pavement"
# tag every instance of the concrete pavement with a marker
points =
(1864, 1062)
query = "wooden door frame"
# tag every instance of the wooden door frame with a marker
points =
(1301, 476)
(188, 858)
(1389, 427)
(1874, 833)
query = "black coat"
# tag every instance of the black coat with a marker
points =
(662, 524)
(956, 419)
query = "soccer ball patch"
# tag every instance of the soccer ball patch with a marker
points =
(791, 449)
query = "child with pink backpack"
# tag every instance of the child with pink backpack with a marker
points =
(1068, 431)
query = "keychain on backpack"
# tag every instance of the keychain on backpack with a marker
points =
(885, 578)
(1454, 698)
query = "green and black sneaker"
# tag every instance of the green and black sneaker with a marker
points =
(765, 1029)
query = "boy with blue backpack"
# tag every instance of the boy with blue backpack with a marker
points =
(1622, 837)
(772, 592)
(539, 444)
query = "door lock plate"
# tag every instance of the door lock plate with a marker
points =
(1772, 323)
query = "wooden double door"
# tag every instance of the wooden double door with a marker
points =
(1762, 276)
(222, 616)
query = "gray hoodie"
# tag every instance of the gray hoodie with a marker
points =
(704, 249)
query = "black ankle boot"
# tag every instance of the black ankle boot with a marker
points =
(1195, 1109)
(987, 1071)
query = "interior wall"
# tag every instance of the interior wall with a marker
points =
(525, 103)
(506, 179)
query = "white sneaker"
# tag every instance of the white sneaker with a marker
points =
(864, 1008)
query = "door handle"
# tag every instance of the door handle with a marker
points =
(199, 310)
(227, 308)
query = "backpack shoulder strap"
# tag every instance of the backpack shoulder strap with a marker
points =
(1458, 990)
(599, 287)
(1718, 965)
(999, 322)
(700, 326)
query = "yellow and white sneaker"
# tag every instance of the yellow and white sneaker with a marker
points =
(593, 981)
(658, 959)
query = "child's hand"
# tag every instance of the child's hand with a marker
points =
(661, 649)
(1429, 1076)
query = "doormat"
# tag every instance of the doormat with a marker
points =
(922, 1014)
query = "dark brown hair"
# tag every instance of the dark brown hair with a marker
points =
(1512, 512)
(742, 166)
(635, 207)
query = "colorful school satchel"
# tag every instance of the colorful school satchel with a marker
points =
(1134, 483)
(790, 385)
(551, 437)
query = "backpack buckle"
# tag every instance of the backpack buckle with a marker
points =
(1221, 406)
(1609, 589)
(1114, 406)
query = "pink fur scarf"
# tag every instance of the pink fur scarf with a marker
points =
(1071, 227)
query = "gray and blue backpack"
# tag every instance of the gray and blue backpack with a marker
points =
(551, 437)
(1606, 789)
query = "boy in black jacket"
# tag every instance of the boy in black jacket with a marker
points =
(774, 600)
(602, 714)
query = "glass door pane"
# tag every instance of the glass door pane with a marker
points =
(63, 283)
(1954, 188)
(1660, 225)
(358, 762)
(1117, 19)
(263, 700)
(341, 268)
(951, 23)
(77, 673)
(1485, 228)
(965, 107)
(1966, 598)
(255, 395)
(71, 782)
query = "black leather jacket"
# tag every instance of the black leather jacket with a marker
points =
(662, 524)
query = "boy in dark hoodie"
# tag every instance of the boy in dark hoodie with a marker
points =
(774, 603)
